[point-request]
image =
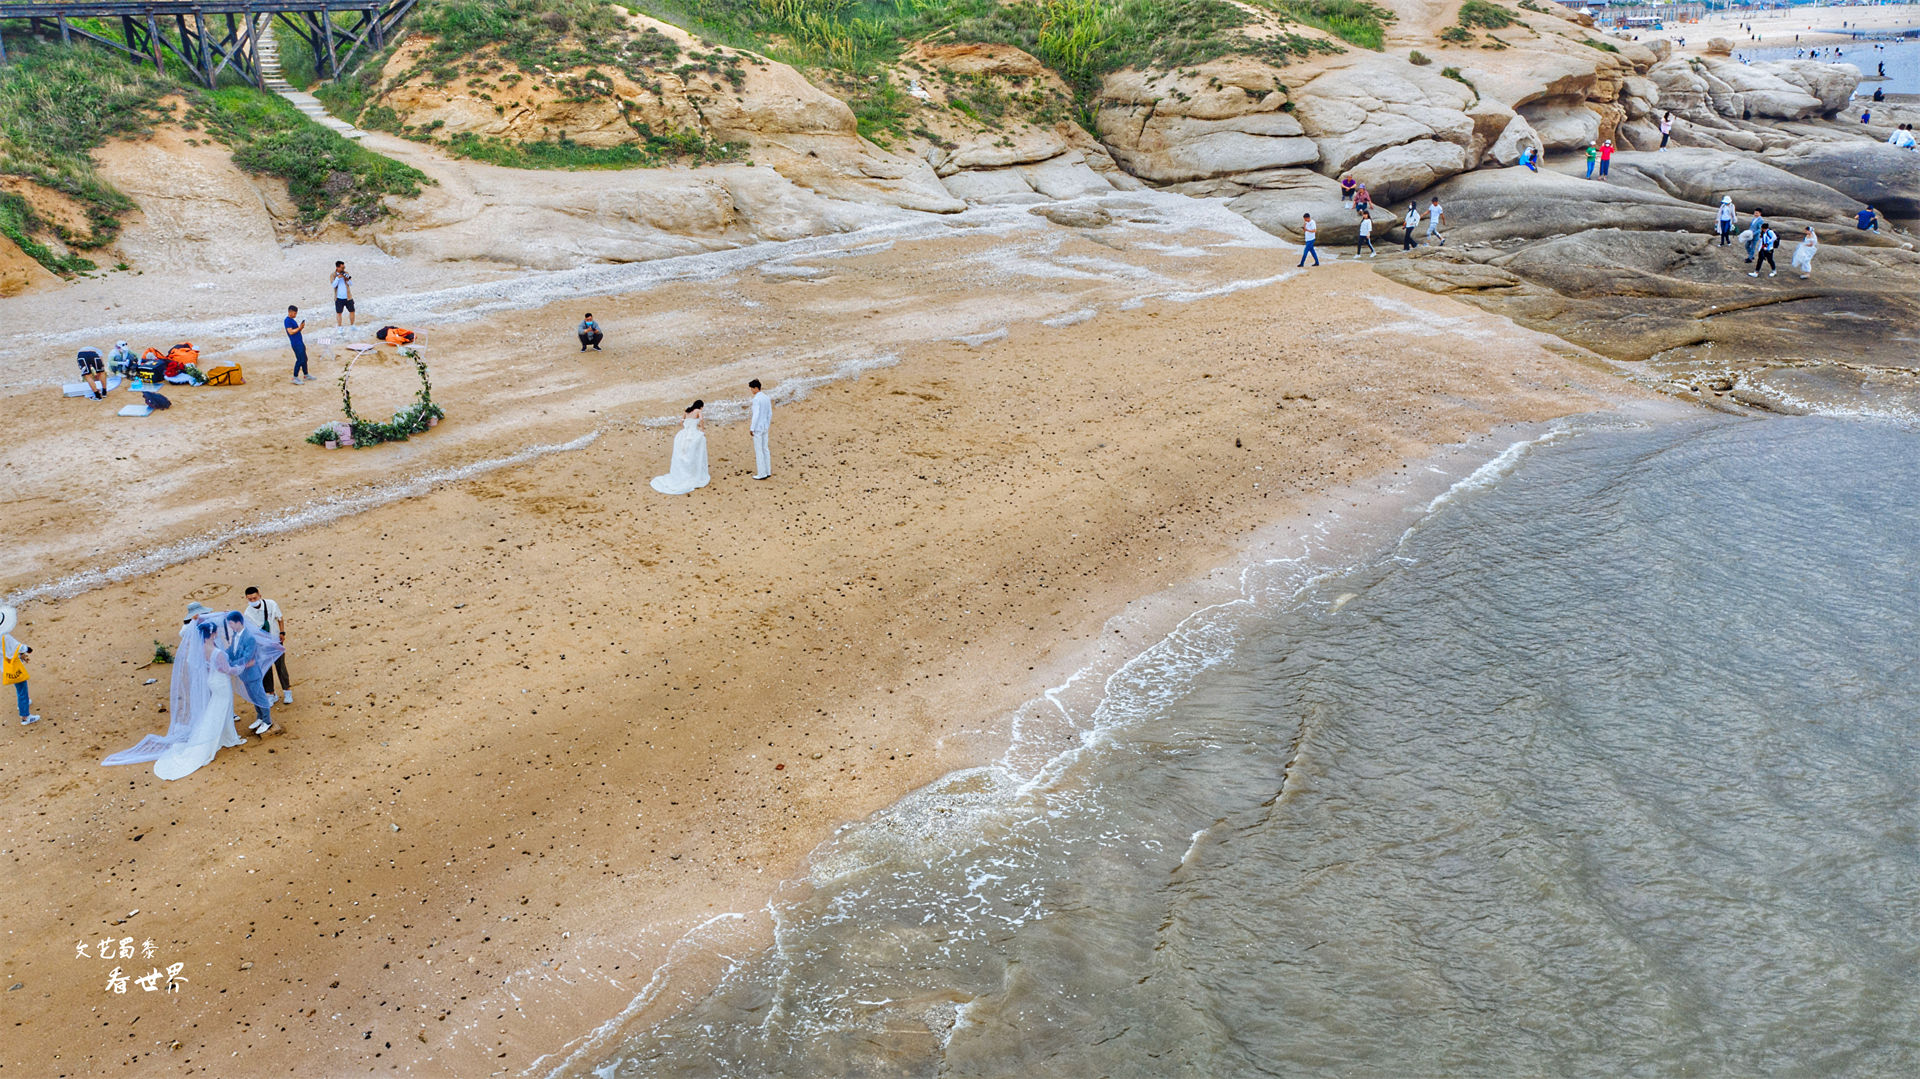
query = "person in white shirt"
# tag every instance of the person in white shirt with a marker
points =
(1413, 222)
(1312, 232)
(1666, 129)
(759, 422)
(1366, 237)
(342, 283)
(1433, 223)
(263, 613)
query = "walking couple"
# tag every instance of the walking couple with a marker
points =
(688, 470)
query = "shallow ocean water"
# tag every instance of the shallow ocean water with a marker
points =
(1607, 767)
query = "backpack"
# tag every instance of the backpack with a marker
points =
(155, 400)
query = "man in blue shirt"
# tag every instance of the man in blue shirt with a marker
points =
(295, 327)
(1868, 222)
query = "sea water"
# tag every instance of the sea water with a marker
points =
(1609, 765)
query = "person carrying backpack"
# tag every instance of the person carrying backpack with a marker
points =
(1763, 252)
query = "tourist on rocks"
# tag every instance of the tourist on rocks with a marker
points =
(1755, 227)
(1362, 200)
(263, 614)
(1433, 223)
(13, 664)
(1311, 232)
(1726, 221)
(1528, 159)
(1413, 222)
(296, 336)
(1903, 138)
(1803, 254)
(589, 333)
(1346, 188)
(1666, 129)
(1593, 158)
(1868, 220)
(1606, 157)
(1879, 93)
(342, 283)
(1366, 237)
(1866, 116)
(1763, 247)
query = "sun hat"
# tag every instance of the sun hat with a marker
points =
(196, 609)
(9, 618)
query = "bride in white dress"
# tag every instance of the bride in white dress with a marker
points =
(201, 717)
(688, 472)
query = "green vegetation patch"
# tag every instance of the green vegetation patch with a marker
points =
(57, 105)
(1485, 15)
(325, 173)
(653, 150)
(1601, 45)
(1356, 22)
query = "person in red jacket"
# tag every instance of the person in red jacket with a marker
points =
(1606, 157)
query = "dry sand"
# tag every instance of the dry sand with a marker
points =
(1777, 29)
(548, 721)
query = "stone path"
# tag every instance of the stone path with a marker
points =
(276, 81)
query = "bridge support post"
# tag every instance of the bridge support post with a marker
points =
(66, 35)
(153, 45)
(206, 61)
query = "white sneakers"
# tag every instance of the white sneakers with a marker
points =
(286, 697)
(35, 718)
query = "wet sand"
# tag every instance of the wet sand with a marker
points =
(548, 721)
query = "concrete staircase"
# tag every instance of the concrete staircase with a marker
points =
(276, 81)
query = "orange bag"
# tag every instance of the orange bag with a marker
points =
(184, 353)
(228, 375)
(394, 335)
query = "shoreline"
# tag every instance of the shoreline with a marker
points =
(1355, 525)
(511, 813)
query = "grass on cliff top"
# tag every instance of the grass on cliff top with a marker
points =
(56, 105)
(1080, 40)
(59, 103)
(326, 174)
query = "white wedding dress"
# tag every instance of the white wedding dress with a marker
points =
(688, 472)
(201, 720)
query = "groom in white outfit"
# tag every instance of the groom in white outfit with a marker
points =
(761, 420)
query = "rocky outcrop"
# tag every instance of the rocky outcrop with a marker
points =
(1409, 168)
(1703, 176)
(1563, 123)
(1832, 84)
(1279, 204)
(1377, 103)
(1220, 120)
(1883, 176)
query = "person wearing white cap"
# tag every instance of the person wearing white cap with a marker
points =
(13, 663)
(120, 358)
(1726, 221)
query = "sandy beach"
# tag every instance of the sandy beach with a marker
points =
(1802, 25)
(547, 722)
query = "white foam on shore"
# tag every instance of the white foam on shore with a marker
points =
(315, 513)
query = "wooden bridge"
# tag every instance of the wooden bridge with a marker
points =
(208, 37)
